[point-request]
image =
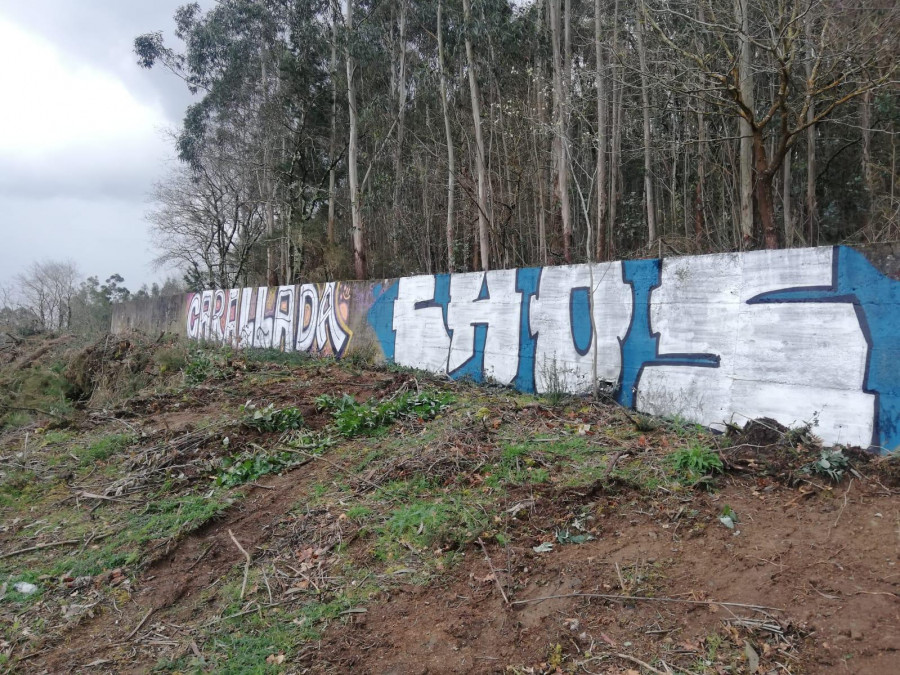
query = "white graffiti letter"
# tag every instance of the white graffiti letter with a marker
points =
(422, 341)
(485, 299)
(307, 317)
(571, 343)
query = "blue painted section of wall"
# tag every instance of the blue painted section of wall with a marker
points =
(876, 300)
(381, 317)
(527, 283)
(580, 319)
(442, 296)
(640, 346)
(473, 367)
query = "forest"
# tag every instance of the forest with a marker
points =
(376, 138)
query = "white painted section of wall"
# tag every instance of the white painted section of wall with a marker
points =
(776, 359)
(422, 341)
(557, 361)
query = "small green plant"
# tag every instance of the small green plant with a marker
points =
(645, 423)
(555, 380)
(198, 367)
(352, 418)
(170, 359)
(696, 461)
(361, 356)
(832, 464)
(248, 467)
(271, 418)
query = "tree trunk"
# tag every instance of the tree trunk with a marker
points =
(811, 208)
(537, 136)
(865, 122)
(560, 144)
(451, 157)
(615, 136)
(484, 244)
(764, 179)
(649, 201)
(332, 173)
(786, 202)
(359, 252)
(398, 152)
(267, 188)
(600, 84)
(744, 128)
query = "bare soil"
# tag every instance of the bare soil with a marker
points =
(623, 570)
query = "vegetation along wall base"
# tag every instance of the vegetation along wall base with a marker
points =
(800, 335)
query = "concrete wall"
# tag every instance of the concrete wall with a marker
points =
(800, 335)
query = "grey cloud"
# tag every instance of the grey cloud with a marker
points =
(124, 171)
(101, 32)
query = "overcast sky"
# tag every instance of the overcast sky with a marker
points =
(82, 134)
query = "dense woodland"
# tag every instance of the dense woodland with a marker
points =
(388, 137)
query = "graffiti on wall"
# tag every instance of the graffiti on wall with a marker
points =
(307, 318)
(800, 336)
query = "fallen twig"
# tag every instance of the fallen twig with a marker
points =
(493, 571)
(67, 542)
(643, 598)
(246, 565)
(142, 622)
(641, 664)
(843, 506)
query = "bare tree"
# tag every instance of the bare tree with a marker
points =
(45, 290)
(208, 218)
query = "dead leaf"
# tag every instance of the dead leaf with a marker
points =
(275, 658)
(752, 657)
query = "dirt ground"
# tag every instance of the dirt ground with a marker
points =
(572, 545)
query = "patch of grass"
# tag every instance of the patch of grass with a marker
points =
(285, 358)
(171, 359)
(16, 487)
(160, 520)
(56, 438)
(434, 520)
(104, 448)
(358, 512)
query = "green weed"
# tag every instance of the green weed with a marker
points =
(696, 461)
(203, 364)
(271, 418)
(832, 464)
(352, 418)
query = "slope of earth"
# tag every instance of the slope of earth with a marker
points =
(174, 508)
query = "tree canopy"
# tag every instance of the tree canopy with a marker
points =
(387, 138)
